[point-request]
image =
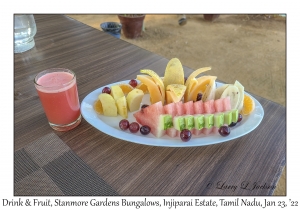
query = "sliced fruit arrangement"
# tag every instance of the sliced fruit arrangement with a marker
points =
(172, 87)
(178, 107)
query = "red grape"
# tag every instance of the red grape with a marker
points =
(199, 96)
(145, 130)
(232, 124)
(224, 130)
(185, 135)
(133, 83)
(240, 117)
(124, 124)
(144, 106)
(106, 90)
(134, 127)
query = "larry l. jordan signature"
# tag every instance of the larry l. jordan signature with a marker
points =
(245, 185)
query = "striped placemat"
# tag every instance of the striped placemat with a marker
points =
(48, 166)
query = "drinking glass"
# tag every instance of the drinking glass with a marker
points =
(24, 32)
(57, 90)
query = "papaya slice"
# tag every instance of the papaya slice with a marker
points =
(153, 89)
(192, 84)
(142, 87)
(158, 81)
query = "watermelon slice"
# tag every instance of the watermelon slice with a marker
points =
(171, 109)
(198, 107)
(196, 132)
(219, 106)
(150, 116)
(188, 107)
(179, 109)
(226, 104)
(172, 132)
(209, 107)
(215, 130)
(207, 131)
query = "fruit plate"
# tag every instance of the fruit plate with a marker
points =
(110, 125)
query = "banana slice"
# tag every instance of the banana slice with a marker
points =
(209, 93)
(241, 98)
(220, 90)
(233, 92)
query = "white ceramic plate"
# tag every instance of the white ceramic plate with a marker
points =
(110, 125)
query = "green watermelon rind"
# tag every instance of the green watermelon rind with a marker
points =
(198, 121)
(219, 119)
(165, 121)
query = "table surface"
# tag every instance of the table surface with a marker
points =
(86, 161)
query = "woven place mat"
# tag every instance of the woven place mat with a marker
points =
(49, 167)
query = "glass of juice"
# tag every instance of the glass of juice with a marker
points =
(58, 93)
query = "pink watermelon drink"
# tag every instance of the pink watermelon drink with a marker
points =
(58, 93)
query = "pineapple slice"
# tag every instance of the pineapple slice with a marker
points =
(134, 99)
(174, 93)
(108, 105)
(116, 92)
(122, 107)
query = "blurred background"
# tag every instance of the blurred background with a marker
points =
(247, 48)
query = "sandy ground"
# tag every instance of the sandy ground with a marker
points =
(249, 48)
